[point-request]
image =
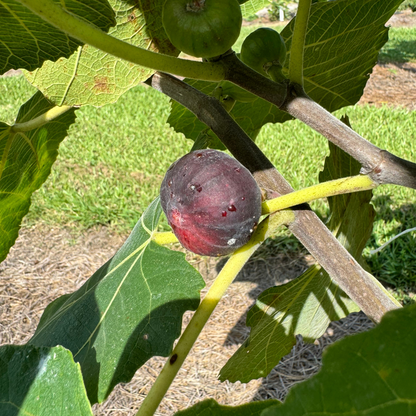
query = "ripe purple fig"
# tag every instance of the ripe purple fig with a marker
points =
(211, 201)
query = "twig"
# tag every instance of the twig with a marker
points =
(409, 230)
(382, 166)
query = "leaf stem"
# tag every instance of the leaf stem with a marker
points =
(298, 42)
(40, 120)
(57, 16)
(205, 309)
(322, 190)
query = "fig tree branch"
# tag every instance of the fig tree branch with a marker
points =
(363, 288)
(382, 166)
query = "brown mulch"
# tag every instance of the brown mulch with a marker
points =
(46, 263)
(392, 84)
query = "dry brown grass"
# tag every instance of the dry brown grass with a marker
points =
(46, 263)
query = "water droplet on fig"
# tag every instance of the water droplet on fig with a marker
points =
(237, 170)
(224, 213)
(232, 208)
(196, 187)
(199, 155)
(243, 198)
(231, 241)
(170, 183)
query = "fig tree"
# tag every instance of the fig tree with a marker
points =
(202, 28)
(211, 201)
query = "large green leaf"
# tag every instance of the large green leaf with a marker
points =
(26, 40)
(372, 373)
(26, 161)
(303, 306)
(41, 382)
(369, 374)
(309, 303)
(211, 408)
(128, 311)
(91, 76)
(342, 44)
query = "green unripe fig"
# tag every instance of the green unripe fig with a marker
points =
(202, 28)
(264, 50)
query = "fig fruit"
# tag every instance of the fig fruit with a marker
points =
(264, 50)
(202, 28)
(211, 201)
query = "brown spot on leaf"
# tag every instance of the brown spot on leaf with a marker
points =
(101, 84)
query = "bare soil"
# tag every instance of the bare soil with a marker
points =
(392, 84)
(46, 263)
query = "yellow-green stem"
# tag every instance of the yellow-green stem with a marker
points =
(41, 120)
(298, 42)
(164, 238)
(54, 14)
(204, 311)
(322, 190)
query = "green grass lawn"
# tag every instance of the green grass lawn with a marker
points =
(112, 163)
(401, 46)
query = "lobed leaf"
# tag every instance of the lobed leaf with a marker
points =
(371, 373)
(41, 381)
(306, 305)
(303, 306)
(127, 312)
(364, 374)
(342, 44)
(26, 159)
(26, 40)
(90, 76)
